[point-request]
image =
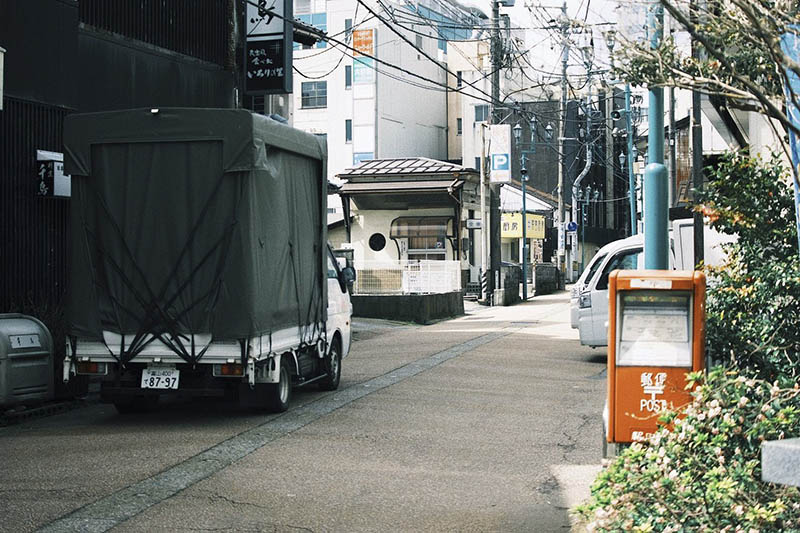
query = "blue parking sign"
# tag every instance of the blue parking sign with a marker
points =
(500, 161)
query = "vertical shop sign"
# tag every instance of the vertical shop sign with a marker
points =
(268, 47)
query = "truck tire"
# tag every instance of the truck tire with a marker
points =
(332, 367)
(279, 394)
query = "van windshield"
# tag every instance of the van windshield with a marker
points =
(593, 268)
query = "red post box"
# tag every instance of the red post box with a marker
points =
(656, 335)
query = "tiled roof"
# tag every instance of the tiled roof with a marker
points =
(406, 166)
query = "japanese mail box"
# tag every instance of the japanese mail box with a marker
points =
(656, 335)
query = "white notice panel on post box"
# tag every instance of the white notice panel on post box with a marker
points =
(654, 329)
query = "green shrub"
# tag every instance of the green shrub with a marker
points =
(705, 474)
(753, 302)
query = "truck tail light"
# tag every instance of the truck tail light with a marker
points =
(229, 370)
(585, 300)
(90, 368)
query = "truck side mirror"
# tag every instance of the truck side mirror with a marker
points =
(347, 277)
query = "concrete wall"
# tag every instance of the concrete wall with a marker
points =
(419, 308)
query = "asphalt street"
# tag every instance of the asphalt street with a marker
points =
(488, 422)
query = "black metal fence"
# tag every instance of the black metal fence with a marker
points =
(34, 229)
(198, 28)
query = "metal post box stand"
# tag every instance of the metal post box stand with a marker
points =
(26, 360)
(656, 335)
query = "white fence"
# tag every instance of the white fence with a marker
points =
(407, 277)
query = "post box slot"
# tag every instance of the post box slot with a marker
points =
(654, 328)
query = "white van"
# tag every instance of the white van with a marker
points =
(592, 301)
(589, 299)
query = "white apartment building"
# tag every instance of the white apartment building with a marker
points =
(369, 110)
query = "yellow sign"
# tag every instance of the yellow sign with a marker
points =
(511, 226)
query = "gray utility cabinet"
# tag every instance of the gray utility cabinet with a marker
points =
(26, 360)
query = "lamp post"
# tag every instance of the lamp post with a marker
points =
(656, 218)
(517, 131)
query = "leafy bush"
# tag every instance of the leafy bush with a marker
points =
(704, 475)
(753, 302)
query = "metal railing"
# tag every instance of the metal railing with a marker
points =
(407, 277)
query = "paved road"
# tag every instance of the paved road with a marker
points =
(489, 422)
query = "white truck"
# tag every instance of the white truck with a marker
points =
(199, 260)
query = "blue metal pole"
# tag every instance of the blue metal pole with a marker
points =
(790, 44)
(631, 178)
(656, 186)
(524, 179)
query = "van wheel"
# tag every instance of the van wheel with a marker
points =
(332, 368)
(279, 394)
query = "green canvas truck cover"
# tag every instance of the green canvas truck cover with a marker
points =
(194, 221)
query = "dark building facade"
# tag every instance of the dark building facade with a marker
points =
(67, 56)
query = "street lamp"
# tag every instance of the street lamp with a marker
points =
(517, 132)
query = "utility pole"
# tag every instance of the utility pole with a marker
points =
(673, 156)
(494, 217)
(484, 226)
(697, 154)
(656, 218)
(631, 177)
(562, 113)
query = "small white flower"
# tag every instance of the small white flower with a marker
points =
(742, 401)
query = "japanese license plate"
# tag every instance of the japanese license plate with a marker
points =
(160, 378)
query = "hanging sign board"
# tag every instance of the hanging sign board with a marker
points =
(500, 153)
(268, 47)
(511, 226)
(474, 223)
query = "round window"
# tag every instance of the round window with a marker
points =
(377, 242)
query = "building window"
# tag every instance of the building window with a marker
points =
(314, 94)
(320, 21)
(478, 164)
(348, 76)
(481, 113)
(427, 236)
(348, 28)
(348, 131)
(419, 46)
(377, 242)
(459, 128)
(459, 78)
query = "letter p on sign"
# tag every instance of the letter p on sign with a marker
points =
(500, 162)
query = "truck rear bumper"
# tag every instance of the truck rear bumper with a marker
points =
(112, 393)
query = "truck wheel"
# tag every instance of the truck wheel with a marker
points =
(279, 394)
(332, 368)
